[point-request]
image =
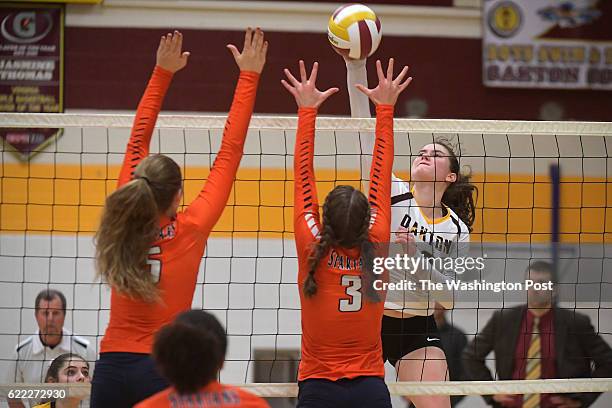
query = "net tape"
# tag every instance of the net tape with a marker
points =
(323, 123)
(274, 390)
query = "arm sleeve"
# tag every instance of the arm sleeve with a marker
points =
(144, 123)
(360, 104)
(305, 203)
(380, 175)
(206, 209)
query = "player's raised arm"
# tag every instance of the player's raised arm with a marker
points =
(206, 209)
(170, 59)
(308, 99)
(384, 96)
(356, 74)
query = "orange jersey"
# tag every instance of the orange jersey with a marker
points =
(175, 257)
(213, 395)
(340, 327)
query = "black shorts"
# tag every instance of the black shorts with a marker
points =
(401, 336)
(124, 379)
(360, 392)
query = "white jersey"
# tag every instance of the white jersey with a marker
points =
(446, 237)
(441, 238)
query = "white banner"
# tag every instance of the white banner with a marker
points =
(547, 44)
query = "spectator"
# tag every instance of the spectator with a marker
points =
(32, 356)
(539, 340)
(453, 341)
(67, 368)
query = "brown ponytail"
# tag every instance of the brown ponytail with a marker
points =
(460, 196)
(129, 226)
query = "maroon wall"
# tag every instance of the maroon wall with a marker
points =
(374, 3)
(107, 68)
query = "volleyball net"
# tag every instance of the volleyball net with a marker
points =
(50, 207)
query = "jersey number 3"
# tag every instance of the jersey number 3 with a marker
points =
(352, 284)
(154, 263)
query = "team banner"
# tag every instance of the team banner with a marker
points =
(547, 44)
(31, 69)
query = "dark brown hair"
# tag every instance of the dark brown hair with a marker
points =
(459, 196)
(346, 223)
(58, 362)
(190, 351)
(129, 226)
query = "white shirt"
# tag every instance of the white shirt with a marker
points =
(446, 237)
(32, 358)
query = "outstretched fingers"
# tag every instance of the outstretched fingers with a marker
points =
(303, 76)
(390, 70)
(313, 74)
(291, 78)
(258, 39)
(379, 71)
(405, 84)
(326, 94)
(289, 88)
(248, 38)
(401, 75)
(363, 89)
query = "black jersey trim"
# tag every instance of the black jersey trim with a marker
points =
(402, 197)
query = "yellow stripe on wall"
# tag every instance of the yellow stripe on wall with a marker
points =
(511, 208)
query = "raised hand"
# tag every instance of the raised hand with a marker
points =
(305, 91)
(388, 89)
(253, 55)
(169, 53)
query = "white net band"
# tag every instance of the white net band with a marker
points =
(323, 123)
(279, 390)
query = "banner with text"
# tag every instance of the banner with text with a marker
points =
(31, 70)
(547, 44)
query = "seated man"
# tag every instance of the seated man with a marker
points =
(539, 340)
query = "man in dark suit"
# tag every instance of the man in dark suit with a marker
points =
(539, 340)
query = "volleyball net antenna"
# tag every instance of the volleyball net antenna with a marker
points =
(50, 207)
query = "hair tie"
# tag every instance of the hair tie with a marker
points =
(145, 179)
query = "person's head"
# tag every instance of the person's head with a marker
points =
(540, 272)
(68, 368)
(50, 313)
(438, 163)
(190, 351)
(130, 224)
(346, 222)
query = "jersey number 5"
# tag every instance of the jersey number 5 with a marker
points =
(154, 263)
(352, 284)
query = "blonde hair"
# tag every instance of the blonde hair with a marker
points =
(129, 226)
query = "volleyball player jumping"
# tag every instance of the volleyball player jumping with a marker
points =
(341, 362)
(433, 218)
(147, 251)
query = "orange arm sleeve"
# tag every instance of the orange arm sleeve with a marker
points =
(205, 210)
(305, 202)
(380, 175)
(144, 123)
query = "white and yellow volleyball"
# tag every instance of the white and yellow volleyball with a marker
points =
(354, 31)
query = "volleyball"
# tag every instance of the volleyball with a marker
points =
(354, 31)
